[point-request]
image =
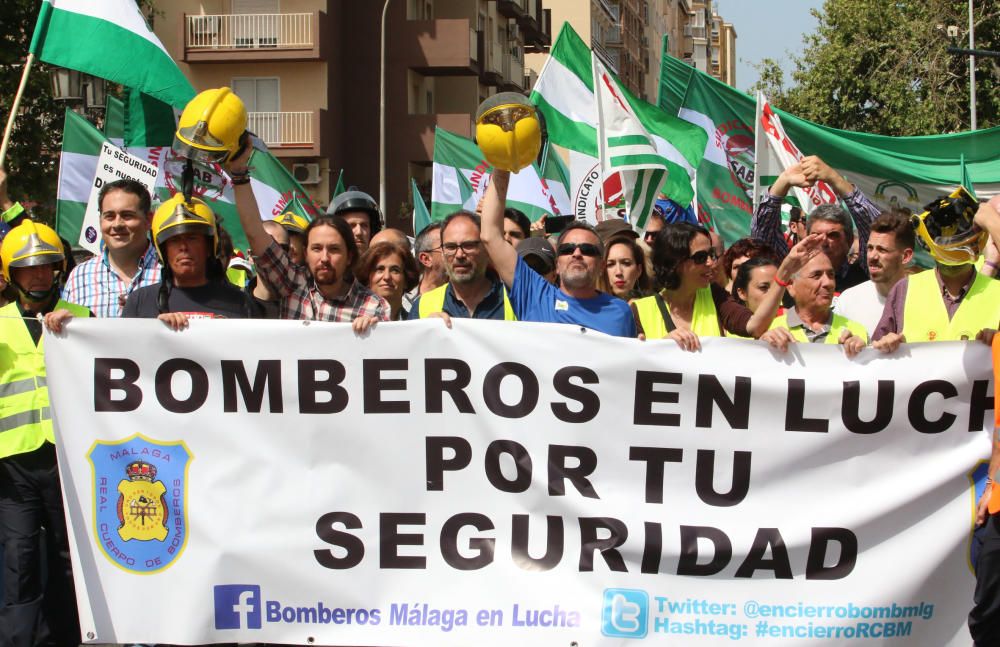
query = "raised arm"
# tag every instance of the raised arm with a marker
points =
(246, 203)
(503, 255)
(793, 262)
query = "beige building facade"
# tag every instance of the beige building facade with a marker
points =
(628, 36)
(309, 70)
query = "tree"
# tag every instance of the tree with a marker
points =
(33, 156)
(882, 67)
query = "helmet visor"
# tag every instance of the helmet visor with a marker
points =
(200, 149)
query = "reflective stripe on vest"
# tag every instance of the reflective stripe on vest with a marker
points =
(925, 317)
(704, 319)
(433, 301)
(837, 326)
(25, 418)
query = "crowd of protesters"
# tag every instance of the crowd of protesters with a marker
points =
(784, 284)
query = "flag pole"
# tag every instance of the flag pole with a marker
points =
(14, 108)
(758, 150)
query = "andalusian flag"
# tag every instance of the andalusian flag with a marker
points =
(109, 39)
(893, 171)
(461, 176)
(274, 187)
(564, 93)
(627, 148)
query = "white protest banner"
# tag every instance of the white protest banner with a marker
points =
(431, 487)
(788, 155)
(113, 164)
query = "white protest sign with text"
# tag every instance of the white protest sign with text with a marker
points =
(505, 483)
(113, 164)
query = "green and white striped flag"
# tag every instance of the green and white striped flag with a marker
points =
(274, 187)
(892, 171)
(625, 147)
(109, 39)
(461, 175)
(564, 93)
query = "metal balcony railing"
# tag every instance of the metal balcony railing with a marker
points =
(249, 31)
(282, 128)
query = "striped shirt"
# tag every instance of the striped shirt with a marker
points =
(301, 299)
(95, 285)
(766, 225)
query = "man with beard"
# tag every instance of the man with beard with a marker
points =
(324, 287)
(952, 302)
(890, 250)
(578, 265)
(472, 291)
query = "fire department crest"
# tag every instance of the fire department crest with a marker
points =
(140, 497)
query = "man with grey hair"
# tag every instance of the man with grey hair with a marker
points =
(579, 263)
(829, 220)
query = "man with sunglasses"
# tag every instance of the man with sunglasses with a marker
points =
(578, 265)
(472, 291)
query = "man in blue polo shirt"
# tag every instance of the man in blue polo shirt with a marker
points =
(472, 290)
(578, 265)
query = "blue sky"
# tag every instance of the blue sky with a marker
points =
(767, 29)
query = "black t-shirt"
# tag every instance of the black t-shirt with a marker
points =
(216, 299)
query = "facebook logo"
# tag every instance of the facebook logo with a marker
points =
(626, 613)
(237, 606)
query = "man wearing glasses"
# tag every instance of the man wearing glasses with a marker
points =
(578, 265)
(472, 291)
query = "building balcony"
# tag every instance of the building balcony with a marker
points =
(538, 32)
(227, 38)
(290, 134)
(513, 75)
(493, 59)
(512, 8)
(442, 47)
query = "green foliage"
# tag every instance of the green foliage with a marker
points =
(882, 67)
(33, 156)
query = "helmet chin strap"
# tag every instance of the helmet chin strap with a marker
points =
(39, 296)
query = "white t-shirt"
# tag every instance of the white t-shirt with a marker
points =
(862, 304)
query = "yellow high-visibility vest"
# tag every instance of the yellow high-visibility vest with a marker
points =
(25, 419)
(433, 301)
(926, 319)
(837, 326)
(704, 319)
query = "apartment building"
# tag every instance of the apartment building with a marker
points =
(628, 36)
(309, 73)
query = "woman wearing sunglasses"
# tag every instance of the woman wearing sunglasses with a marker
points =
(689, 305)
(624, 273)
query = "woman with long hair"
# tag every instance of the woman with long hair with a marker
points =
(689, 305)
(624, 273)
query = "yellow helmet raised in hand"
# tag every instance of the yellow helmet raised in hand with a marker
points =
(175, 217)
(508, 131)
(31, 244)
(211, 127)
(293, 222)
(946, 229)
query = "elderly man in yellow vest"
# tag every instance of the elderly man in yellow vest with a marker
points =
(33, 612)
(812, 320)
(952, 302)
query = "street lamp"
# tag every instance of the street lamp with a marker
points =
(75, 87)
(381, 117)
